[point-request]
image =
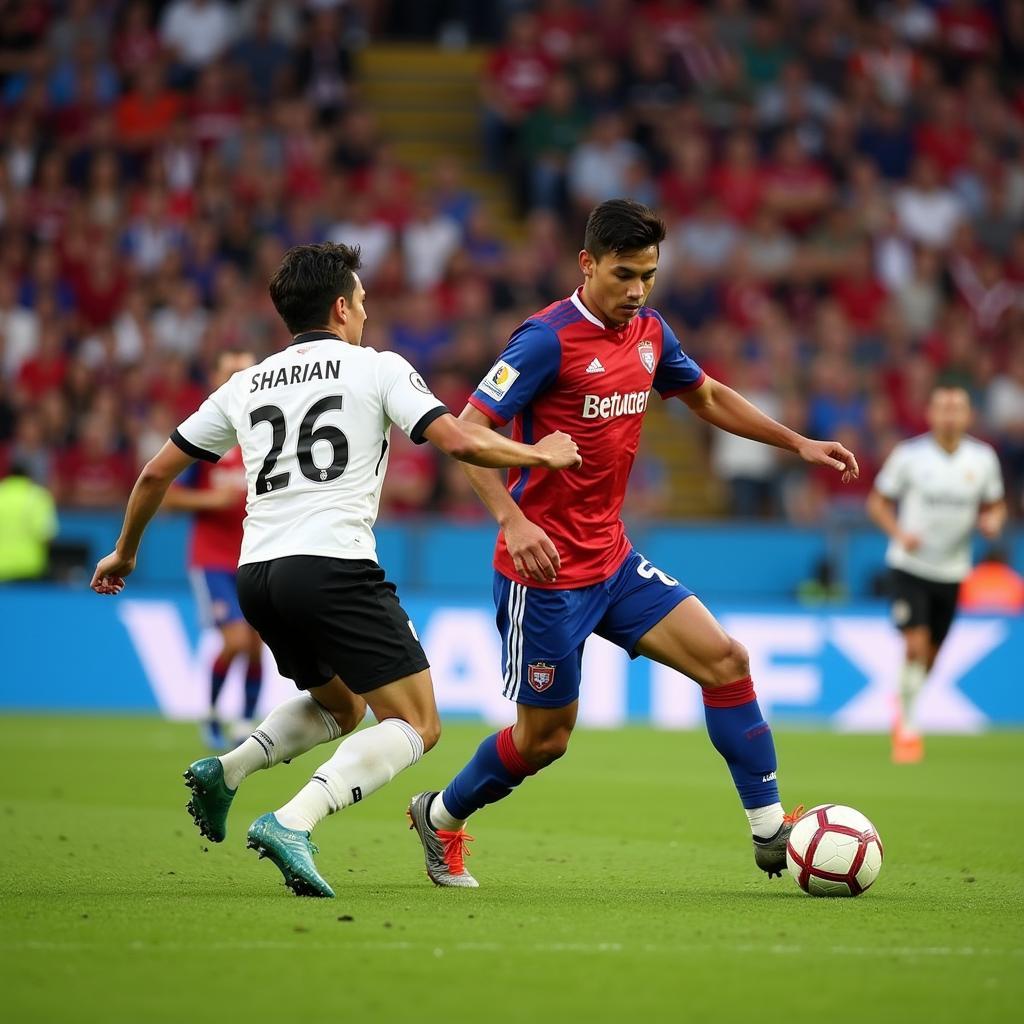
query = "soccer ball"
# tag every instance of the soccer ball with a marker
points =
(834, 851)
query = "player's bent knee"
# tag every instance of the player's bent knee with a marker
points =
(349, 718)
(733, 664)
(540, 751)
(430, 732)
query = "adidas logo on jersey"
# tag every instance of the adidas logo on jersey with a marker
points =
(597, 408)
(595, 366)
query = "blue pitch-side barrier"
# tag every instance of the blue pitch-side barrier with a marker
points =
(143, 651)
(727, 561)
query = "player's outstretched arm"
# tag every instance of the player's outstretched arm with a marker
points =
(157, 475)
(722, 407)
(481, 446)
(992, 519)
(184, 499)
(530, 548)
(882, 512)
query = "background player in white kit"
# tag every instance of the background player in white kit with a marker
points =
(313, 423)
(928, 497)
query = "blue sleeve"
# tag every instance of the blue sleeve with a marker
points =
(527, 367)
(676, 372)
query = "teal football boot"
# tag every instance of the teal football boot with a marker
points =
(211, 799)
(292, 852)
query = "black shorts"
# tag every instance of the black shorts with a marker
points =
(921, 602)
(323, 617)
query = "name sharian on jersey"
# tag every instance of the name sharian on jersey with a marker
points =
(597, 408)
(329, 370)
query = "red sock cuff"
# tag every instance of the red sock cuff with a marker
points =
(731, 696)
(221, 664)
(510, 757)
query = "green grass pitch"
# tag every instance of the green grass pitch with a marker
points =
(617, 886)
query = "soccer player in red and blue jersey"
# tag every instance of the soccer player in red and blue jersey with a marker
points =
(564, 567)
(216, 494)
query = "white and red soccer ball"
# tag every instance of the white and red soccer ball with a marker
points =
(834, 851)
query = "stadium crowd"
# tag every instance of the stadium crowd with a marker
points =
(843, 183)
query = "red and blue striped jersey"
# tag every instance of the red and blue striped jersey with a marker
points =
(563, 369)
(217, 533)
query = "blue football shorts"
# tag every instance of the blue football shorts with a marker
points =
(216, 595)
(543, 632)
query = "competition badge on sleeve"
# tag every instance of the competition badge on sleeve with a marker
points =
(499, 379)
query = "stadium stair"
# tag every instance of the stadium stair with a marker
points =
(427, 103)
(676, 438)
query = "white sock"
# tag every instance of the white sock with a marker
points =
(360, 766)
(765, 821)
(911, 683)
(292, 728)
(442, 818)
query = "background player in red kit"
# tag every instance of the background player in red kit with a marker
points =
(216, 494)
(564, 566)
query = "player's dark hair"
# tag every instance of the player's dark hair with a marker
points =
(310, 280)
(950, 384)
(622, 225)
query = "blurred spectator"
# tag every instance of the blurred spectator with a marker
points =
(145, 113)
(992, 587)
(514, 84)
(550, 134)
(420, 334)
(796, 188)
(374, 237)
(708, 238)
(324, 63)
(858, 292)
(94, 472)
(428, 243)
(412, 478)
(912, 21)
(749, 469)
(30, 448)
(135, 43)
(80, 21)
(928, 211)
(263, 58)
(887, 141)
(684, 182)
(19, 329)
(738, 182)
(945, 136)
(179, 326)
(598, 170)
(28, 521)
(919, 299)
(1004, 418)
(967, 31)
(197, 32)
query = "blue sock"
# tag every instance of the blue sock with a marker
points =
(253, 684)
(492, 773)
(218, 673)
(742, 736)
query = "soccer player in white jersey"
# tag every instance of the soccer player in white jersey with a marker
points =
(928, 497)
(313, 423)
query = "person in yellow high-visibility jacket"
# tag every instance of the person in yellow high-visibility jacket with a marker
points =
(28, 520)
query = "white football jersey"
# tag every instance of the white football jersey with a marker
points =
(939, 494)
(313, 423)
